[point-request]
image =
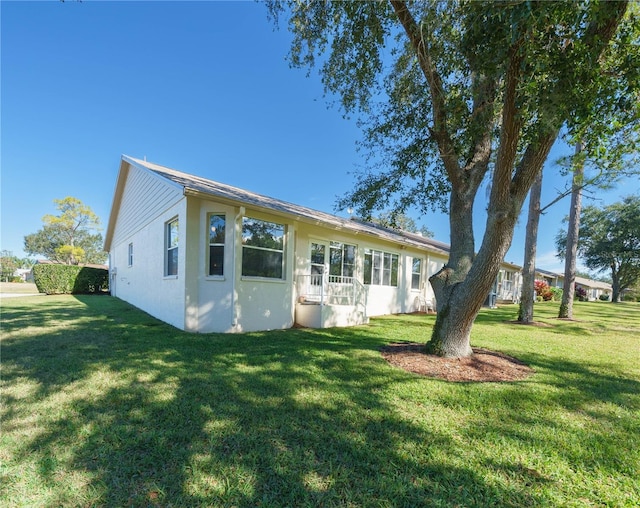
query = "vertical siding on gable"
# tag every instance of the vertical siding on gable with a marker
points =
(144, 198)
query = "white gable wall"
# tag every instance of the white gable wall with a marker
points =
(147, 203)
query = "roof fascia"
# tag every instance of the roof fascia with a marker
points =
(123, 171)
(141, 165)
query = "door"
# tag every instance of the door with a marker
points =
(318, 259)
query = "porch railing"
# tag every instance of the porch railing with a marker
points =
(326, 289)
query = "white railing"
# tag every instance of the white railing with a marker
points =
(331, 290)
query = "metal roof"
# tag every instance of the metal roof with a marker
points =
(192, 184)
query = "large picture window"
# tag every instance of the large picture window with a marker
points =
(262, 249)
(217, 228)
(380, 268)
(171, 242)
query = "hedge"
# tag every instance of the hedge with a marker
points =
(55, 279)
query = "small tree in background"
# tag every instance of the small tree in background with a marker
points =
(71, 237)
(610, 240)
(8, 265)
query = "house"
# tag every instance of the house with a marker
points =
(208, 257)
(593, 288)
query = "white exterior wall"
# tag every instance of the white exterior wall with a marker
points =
(264, 304)
(211, 308)
(143, 284)
(381, 300)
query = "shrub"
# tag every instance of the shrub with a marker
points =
(54, 279)
(604, 298)
(542, 290)
(557, 294)
(581, 294)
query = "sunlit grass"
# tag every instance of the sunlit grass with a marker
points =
(103, 405)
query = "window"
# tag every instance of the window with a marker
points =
(217, 223)
(380, 268)
(262, 249)
(130, 256)
(342, 259)
(171, 264)
(416, 271)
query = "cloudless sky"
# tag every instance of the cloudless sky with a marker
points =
(202, 87)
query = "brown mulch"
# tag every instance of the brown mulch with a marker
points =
(484, 365)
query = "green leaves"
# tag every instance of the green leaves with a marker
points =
(70, 236)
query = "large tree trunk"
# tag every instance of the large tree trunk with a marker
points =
(615, 284)
(462, 286)
(571, 251)
(525, 313)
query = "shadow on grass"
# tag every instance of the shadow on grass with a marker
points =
(287, 418)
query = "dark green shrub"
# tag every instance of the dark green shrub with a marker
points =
(604, 298)
(55, 279)
(581, 294)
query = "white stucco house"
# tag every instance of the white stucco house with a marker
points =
(207, 257)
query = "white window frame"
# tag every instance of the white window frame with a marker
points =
(418, 273)
(130, 254)
(215, 244)
(381, 268)
(346, 269)
(247, 248)
(170, 246)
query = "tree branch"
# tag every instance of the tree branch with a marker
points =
(439, 130)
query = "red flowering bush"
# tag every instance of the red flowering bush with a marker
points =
(543, 290)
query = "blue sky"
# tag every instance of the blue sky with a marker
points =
(203, 87)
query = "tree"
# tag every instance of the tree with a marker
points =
(609, 239)
(472, 90)
(402, 222)
(571, 244)
(70, 237)
(525, 311)
(8, 265)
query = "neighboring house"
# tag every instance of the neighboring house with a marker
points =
(509, 283)
(554, 280)
(593, 288)
(207, 257)
(24, 273)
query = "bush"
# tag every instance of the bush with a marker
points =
(56, 279)
(542, 290)
(581, 294)
(604, 298)
(557, 294)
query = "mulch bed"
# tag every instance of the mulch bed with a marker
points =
(483, 366)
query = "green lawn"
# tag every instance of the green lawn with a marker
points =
(103, 405)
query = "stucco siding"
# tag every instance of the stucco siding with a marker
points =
(144, 284)
(381, 300)
(215, 294)
(264, 304)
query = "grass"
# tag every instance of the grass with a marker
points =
(105, 406)
(18, 288)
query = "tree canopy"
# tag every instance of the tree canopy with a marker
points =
(609, 239)
(71, 237)
(451, 93)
